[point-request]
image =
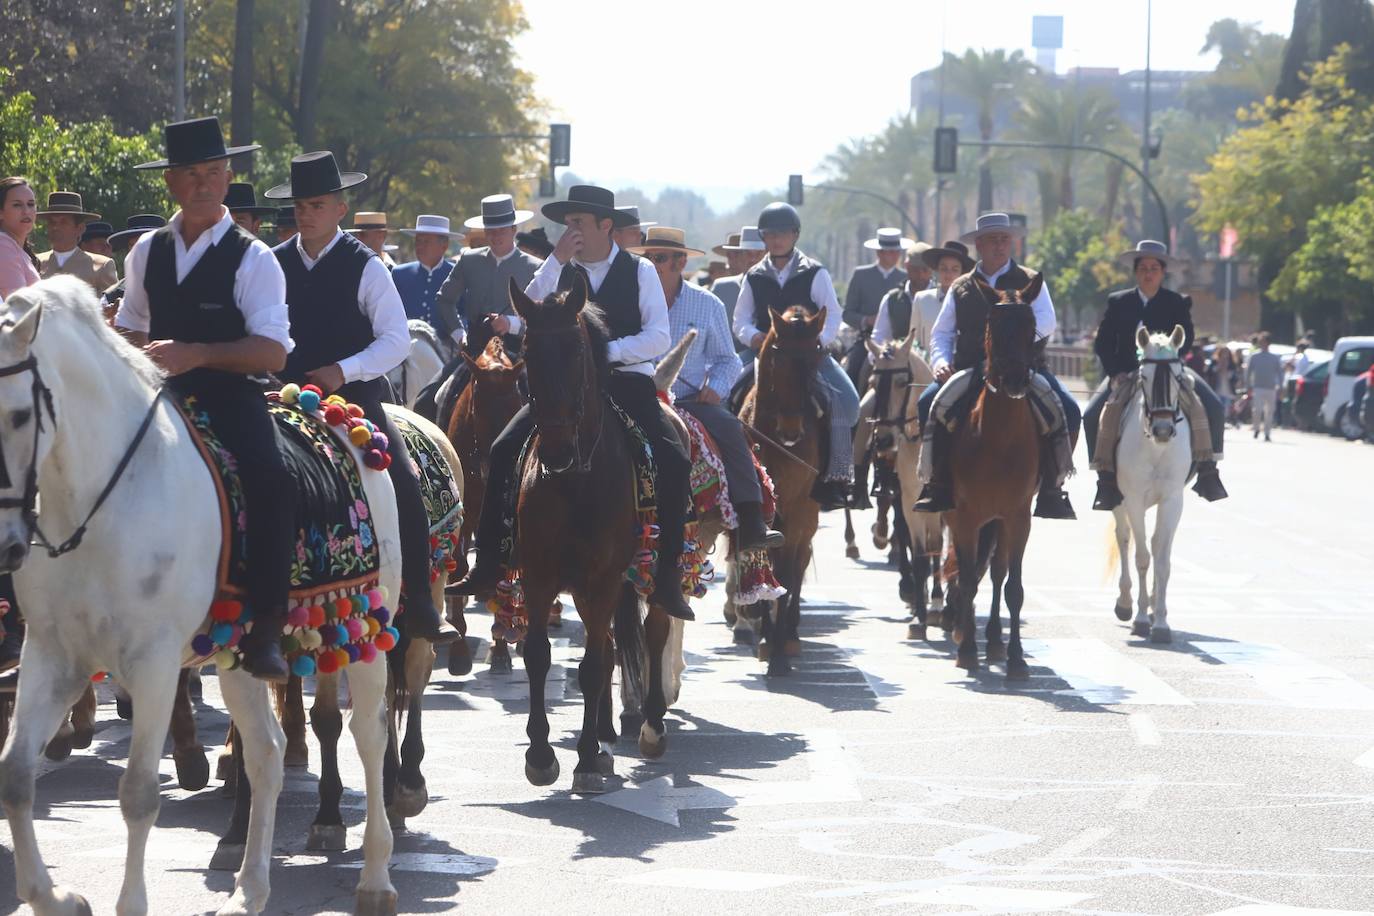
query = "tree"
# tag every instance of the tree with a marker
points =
(319, 23)
(1248, 70)
(241, 82)
(1067, 115)
(1077, 254)
(1319, 27)
(988, 79)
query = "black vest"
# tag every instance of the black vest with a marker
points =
(899, 312)
(618, 296)
(326, 322)
(201, 308)
(971, 313)
(768, 294)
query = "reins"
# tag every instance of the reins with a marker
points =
(581, 463)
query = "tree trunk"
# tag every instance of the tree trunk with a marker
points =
(318, 26)
(1295, 56)
(1114, 172)
(241, 86)
(984, 166)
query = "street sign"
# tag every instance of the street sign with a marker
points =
(795, 195)
(946, 150)
(560, 144)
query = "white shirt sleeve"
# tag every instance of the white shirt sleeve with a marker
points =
(1044, 313)
(260, 294)
(823, 294)
(543, 285)
(943, 335)
(882, 325)
(133, 313)
(744, 312)
(379, 301)
(655, 336)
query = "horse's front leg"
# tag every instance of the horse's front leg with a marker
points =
(851, 548)
(367, 688)
(153, 688)
(964, 591)
(1011, 548)
(258, 749)
(193, 767)
(292, 704)
(1166, 525)
(541, 765)
(1123, 548)
(1140, 534)
(412, 794)
(653, 734)
(596, 610)
(327, 832)
(996, 648)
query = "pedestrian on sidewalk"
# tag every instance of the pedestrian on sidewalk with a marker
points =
(1263, 376)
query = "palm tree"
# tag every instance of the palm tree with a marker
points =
(1066, 115)
(987, 79)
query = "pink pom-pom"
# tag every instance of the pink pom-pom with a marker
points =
(355, 627)
(373, 459)
(369, 652)
(298, 616)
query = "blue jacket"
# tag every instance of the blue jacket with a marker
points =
(419, 288)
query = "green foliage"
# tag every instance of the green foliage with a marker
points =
(1333, 270)
(1068, 115)
(1077, 253)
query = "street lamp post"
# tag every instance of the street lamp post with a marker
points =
(1145, 135)
(861, 192)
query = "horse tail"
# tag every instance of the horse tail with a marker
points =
(397, 690)
(1113, 551)
(629, 639)
(672, 361)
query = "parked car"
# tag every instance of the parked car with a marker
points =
(1306, 394)
(1357, 421)
(1351, 359)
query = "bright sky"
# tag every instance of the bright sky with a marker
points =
(729, 96)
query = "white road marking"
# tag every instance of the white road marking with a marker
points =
(1366, 759)
(1143, 728)
(1102, 675)
(1288, 676)
(1084, 840)
(1274, 909)
(441, 863)
(712, 879)
(998, 899)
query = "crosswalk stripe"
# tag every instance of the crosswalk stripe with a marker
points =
(1288, 676)
(1100, 674)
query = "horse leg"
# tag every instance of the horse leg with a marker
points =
(792, 646)
(1166, 524)
(596, 610)
(499, 658)
(605, 715)
(902, 541)
(224, 764)
(83, 719)
(963, 592)
(653, 734)
(292, 706)
(880, 530)
(46, 691)
(193, 767)
(367, 688)
(541, 764)
(124, 706)
(1011, 549)
(259, 746)
(327, 832)
(229, 852)
(459, 652)
(412, 794)
(996, 649)
(1123, 546)
(153, 689)
(851, 549)
(1139, 534)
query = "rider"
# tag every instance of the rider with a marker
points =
(242, 202)
(785, 278)
(704, 382)
(868, 285)
(627, 289)
(420, 280)
(1159, 309)
(741, 250)
(957, 347)
(207, 301)
(350, 331)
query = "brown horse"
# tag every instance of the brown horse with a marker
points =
(577, 530)
(996, 460)
(484, 408)
(781, 413)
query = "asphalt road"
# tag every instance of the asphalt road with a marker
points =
(1231, 772)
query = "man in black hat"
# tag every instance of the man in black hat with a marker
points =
(95, 239)
(634, 231)
(134, 228)
(534, 243)
(350, 331)
(243, 207)
(208, 302)
(627, 289)
(284, 224)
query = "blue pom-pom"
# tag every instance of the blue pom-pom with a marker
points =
(202, 644)
(309, 401)
(354, 653)
(382, 615)
(303, 666)
(221, 633)
(395, 633)
(363, 604)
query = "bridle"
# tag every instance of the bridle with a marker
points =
(1158, 403)
(882, 417)
(42, 400)
(581, 463)
(798, 416)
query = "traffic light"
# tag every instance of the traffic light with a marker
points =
(946, 150)
(560, 144)
(794, 190)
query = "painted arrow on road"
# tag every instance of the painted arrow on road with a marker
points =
(831, 780)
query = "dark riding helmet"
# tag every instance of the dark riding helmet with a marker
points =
(779, 217)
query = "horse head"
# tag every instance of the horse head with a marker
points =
(493, 397)
(1161, 377)
(22, 445)
(565, 360)
(1010, 343)
(786, 365)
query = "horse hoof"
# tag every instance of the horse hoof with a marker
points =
(501, 664)
(410, 801)
(652, 744)
(935, 617)
(193, 769)
(605, 764)
(1161, 635)
(124, 708)
(792, 648)
(1018, 670)
(459, 658)
(730, 616)
(327, 838)
(297, 756)
(395, 819)
(744, 638)
(82, 737)
(779, 666)
(227, 857)
(1140, 628)
(69, 902)
(224, 767)
(60, 747)
(968, 663)
(1122, 613)
(375, 903)
(545, 776)
(764, 651)
(852, 551)
(906, 592)
(880, 543)
(588, 783)
(996, 652)
(916, 631)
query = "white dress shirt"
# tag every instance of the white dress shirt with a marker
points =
(946, 332)
(380, 304)
(882, 325)
(638, 352)
(62, 256)
(259, 284)
(822, 293)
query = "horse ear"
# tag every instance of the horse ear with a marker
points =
(910, 341)
(1032, 289)
(577, 296)
(777, 319)
(1177, 338)
(989, 291)
(1142, 338)
(23, 331)
(873, 349)
(522, 304)
(817, 321)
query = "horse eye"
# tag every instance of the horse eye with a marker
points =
(20, 417)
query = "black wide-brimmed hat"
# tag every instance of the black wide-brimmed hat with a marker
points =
(135, 226)
(536, 239)
(950, 249)
(588, 198)
(313, 175)
(67, 203)
(190, 142)
(97, 230)
(241, 199)
(285, 218)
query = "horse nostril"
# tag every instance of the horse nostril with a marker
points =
(14, 555)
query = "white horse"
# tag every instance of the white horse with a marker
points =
(1152, 466)
(132, 592)
(422, 364)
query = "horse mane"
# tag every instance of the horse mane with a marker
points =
(63, 296)
(593, 320)
(424, 330)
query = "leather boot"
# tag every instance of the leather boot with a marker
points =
(831, 494)
(1208, 484)
(668, 591)
(1052, 501)
(261, 648)
(753, 533)
(938, 493)
(1108, 493)
(482, 578)
(858, 497)
(422, 619)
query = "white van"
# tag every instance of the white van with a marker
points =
(1352, 358)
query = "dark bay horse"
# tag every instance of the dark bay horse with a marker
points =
(577, 530)
(780, 408)
(996, 460)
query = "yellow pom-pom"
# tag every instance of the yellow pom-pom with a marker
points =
(291, 393)
(373, 627)
(359, 436)
(336, 399)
